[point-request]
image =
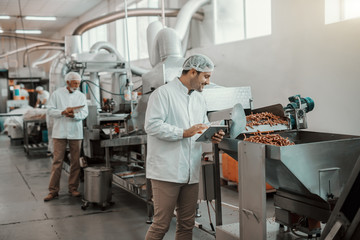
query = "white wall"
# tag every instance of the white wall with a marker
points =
(302, 56)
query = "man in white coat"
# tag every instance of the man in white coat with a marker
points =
(175, 115)
(68, 108)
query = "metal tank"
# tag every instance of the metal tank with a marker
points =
(97, 186)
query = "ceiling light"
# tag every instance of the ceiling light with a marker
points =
(1, 31)
(21, 31)
(40, 18)
(4, 17)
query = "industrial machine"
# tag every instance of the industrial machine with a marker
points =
(308, 177)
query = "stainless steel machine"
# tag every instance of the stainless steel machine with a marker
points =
(309, 177)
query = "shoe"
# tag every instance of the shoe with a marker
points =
(75, 193)
(50, 197)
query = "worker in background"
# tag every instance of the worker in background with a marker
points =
(68, 107)
(24, 95)
(42, 96)
(176, 113)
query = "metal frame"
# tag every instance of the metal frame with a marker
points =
(34, 147)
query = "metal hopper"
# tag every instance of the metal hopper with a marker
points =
(308, 176)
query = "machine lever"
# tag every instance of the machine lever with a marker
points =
(249, 212)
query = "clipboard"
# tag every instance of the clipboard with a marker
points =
(77, 108)
(206, 136)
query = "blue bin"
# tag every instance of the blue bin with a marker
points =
(45, 136)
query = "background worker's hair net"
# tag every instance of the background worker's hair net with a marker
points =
(22, 85)
(200, 63)
(72, 76)
(39, 88)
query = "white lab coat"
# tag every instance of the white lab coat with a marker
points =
(170, 111)
(44, 95)
(65, 127)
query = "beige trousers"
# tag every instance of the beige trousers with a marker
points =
(59, 153)
(167, 196)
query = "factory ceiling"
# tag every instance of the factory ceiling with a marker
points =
(65, 12)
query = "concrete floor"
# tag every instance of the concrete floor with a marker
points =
(24, 215)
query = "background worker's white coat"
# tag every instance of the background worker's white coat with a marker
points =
(65, 127)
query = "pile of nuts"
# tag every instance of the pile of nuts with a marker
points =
(256, 119)
(271, 139)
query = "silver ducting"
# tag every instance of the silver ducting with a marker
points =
(108, 47)
(72, 45)
(151, 32)
(9, 35)
(130, 13)
(37, 48)
(185, 15)
(22, 49)
(42, 61)
(44, 55)
(169, 43)
(58, 70)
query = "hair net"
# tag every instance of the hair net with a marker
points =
(200, 63)
(72, 76)
(22, 85)
(39, 88)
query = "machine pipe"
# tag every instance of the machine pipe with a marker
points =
(22, 49)
(37, 48)
(72, 45)
(108, 47)
(131, 13)
(39, 62)
(185, 15)
(9, 35)
(95, 96)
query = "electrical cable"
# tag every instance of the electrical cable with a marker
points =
(211, 224)
(212, 206)
(112, 93)
(25, 42)
(92, 93)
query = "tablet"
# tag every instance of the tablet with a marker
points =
(208, 133)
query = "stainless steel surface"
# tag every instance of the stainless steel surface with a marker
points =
(220, 98)
(296, 168)
(238, 121)
(315, 208)
(72, 45)
(29, 148)
(97, 184)
(92, 118)
(4, 93)
(266, 128)
(124, 141)
(346, 214)
(276, 109)
(252, 198)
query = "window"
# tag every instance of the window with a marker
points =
(340, 10)
(237, 20)
(136, 32)
(92, 36)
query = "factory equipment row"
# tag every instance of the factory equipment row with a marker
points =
(313, 173)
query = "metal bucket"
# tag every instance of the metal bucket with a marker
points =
(97, 184)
